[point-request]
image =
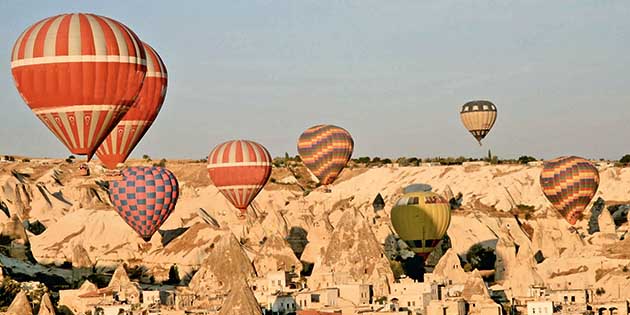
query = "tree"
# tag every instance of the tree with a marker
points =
(625, 159)
(524, 159)
(173, 275)
(480, 257)
(146, 157)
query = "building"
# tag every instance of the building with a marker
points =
(540, 308)
(283, 304)
(410, 293)
(357, 294)
(455, 306)
(317, 299)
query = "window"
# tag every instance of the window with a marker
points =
(533, 310)
(402, 201)
(413, 201)
(573, 298)
(314, 298)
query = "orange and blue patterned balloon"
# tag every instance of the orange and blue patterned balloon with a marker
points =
(145, 197)
(325, 150)
(569, 183)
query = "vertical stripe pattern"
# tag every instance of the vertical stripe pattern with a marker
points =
(79, 73)
(145, 197)
(325, 150)
(479, 117)
(569, 183)
(127, 134)
(421, 219)
(239, 169)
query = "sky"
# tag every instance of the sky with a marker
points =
(393, 73)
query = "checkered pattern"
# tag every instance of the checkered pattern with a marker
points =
(145, 197)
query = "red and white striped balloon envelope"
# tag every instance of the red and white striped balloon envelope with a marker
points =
(79, 73)
(239, 169)
(134, 125)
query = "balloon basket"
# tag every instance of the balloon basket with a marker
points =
(113, 175)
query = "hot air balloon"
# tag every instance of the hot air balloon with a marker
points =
(79, 73)
(421, 219)
(325, 150)
(569, 183)
(137, 121)
(478, 117)
(239, 169)
(145, 197)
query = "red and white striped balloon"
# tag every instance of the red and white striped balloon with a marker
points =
(239, 169)
(79, 73)
(130, 130)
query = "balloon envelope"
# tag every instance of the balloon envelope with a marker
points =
(569, 183)
(127, 134)
(421, 219)
(239, 169)
(79, 73)
(478, 117)
(145, 197)
(325, 150)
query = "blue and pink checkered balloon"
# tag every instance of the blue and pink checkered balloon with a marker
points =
(145, 197)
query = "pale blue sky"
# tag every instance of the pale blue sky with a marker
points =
(394, 73)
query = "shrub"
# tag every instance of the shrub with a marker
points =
(162, 163)
(625, 159)
(480, 257)
(524, 159)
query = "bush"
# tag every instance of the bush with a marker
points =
(524, 159)
(625, 159)
(9, 289)
(26, 160)
(481, 258)
(173, 275)
(162, 163)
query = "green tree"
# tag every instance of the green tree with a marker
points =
(524, 159)
(481, 257)
(173, 275)
(625, 159)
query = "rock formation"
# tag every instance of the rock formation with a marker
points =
(240, 301)
(276, 254)
(475, 288)
(225, 265)
(20, 305)
(46, 306)
(353, 256)
(449, 269)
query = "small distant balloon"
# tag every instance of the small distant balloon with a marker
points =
(569, 183)
(478, 117)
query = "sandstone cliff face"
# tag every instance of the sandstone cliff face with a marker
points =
(354, 256)
(20, 305)
(449, 269)
(276, 254)
(226, 264)
(46, 306)
(240, 301)
(319, 234)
